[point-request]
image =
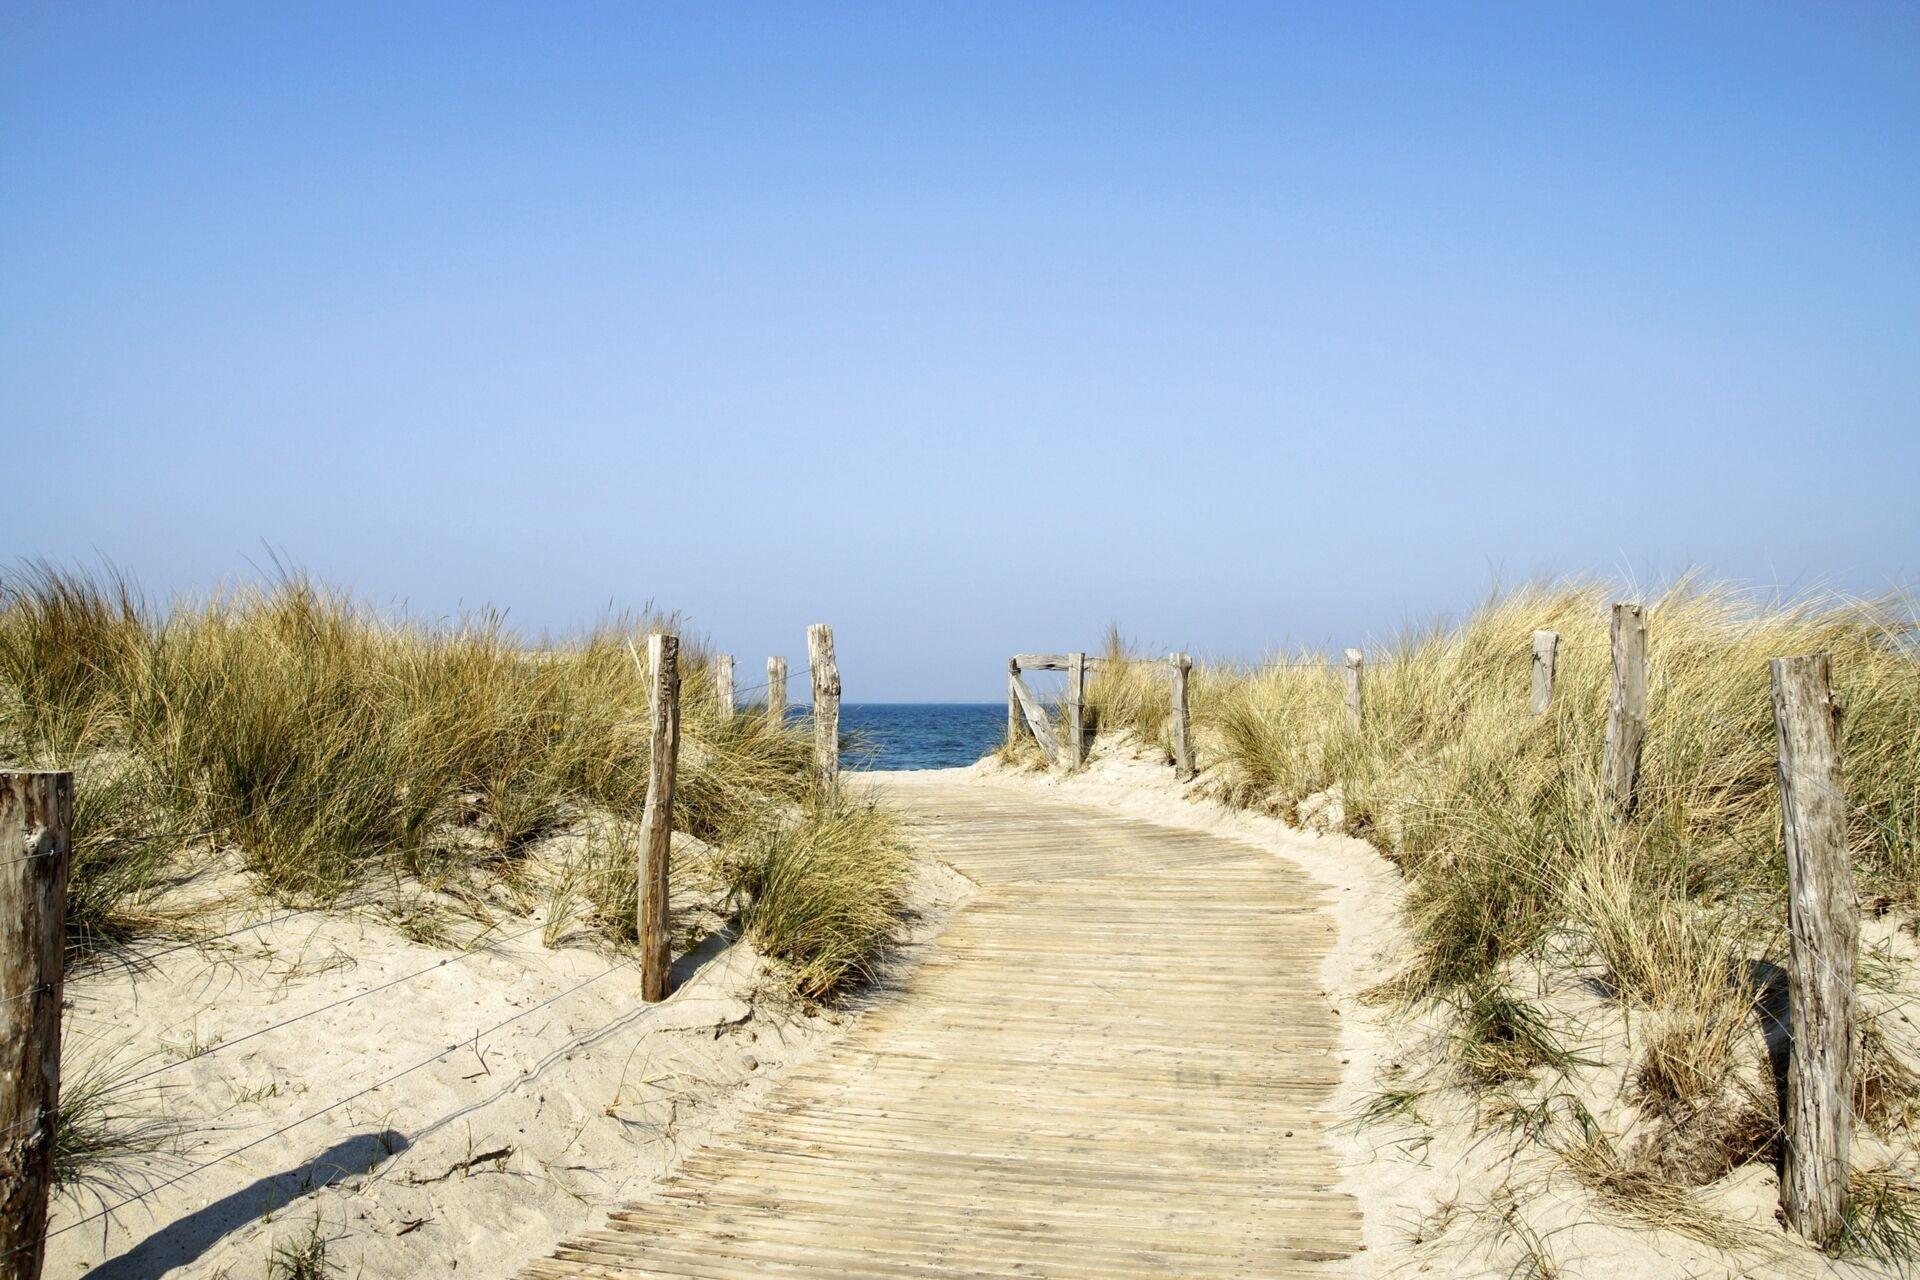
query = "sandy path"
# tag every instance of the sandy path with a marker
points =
(1119, 1059)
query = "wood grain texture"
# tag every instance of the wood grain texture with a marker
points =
(1076, 710)
(1823, 918)
(1546, 661)
(656, 822)
(1626, 708)
(723, 684)
(826, 703)
(36, 812)
(1181, 666)
(1035, 716)
(1356, 709)
(1116, 1061)
(776, 692)
(1013, 700)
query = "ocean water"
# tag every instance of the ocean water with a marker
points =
(920, 735)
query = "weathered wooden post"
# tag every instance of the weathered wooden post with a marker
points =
(1627, 709)
(1029, 709)
(1013, 700)
(1823, 921)
(723, 684)
(1076, 710)
(1546, 658)
(777, 692)
(1182, 666)
(1355, 711)
(656, 822)
(36, 812)
(826, 703)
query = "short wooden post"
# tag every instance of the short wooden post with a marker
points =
(1355, 710)
(1546, 659)
(1076, 710)
(723, 684)
(656, 822)
(36, 811)
(777, 692)
(1627, 709)
(826, 703)
(1182, 667)
(1823, 921)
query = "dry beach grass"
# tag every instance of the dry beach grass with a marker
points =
(285, 747)
(1599, 990)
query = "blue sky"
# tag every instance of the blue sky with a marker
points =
(968, 329)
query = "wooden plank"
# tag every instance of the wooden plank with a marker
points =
(723, 685)
(1043, 661)
(1823, 918)
(777, 692)
(1151, 1097)
(1356, 718)
(1076, 710)
(656, 822)
(1036, 718)
(1626, 708)
(1181, 666)
(826, 703)
(36, 813)
(1546, 659)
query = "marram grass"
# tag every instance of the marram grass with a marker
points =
(317, 742)
(1515, 865)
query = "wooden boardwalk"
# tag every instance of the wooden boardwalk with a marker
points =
(1115, 1062)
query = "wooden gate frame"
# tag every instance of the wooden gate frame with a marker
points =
(1024, 708)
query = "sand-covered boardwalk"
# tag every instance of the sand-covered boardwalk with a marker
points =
(1116, 1061)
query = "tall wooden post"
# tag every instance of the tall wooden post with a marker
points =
(723, 684)
(1182, 666)
(1355, 709)
(1823, 920)
(826, 703)
(1546, 658)
(36, 812)
(1076, 710)
(1013, 699)
(1627, 709)
(777, 692)
(656, 823)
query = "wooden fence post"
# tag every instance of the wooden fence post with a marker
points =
(1182, 666)
(723, 684)
(826, 703)
(1823, 921)
(656, 822)
(1627, 709)
(1013, 699)
(1032, 713)
(1355, 712)
(36, 811)
(1076, 710)
(777, 692)
(1546, 658)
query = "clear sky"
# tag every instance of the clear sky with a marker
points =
(967, 328)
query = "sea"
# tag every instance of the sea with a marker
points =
(920, 735)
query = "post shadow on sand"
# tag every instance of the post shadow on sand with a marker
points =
(1773, 1006)
(185, 1239)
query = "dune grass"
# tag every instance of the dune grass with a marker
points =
(1499, 821)
(316, 741)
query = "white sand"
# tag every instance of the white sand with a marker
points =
(1440, 1196)
(517, 1137)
